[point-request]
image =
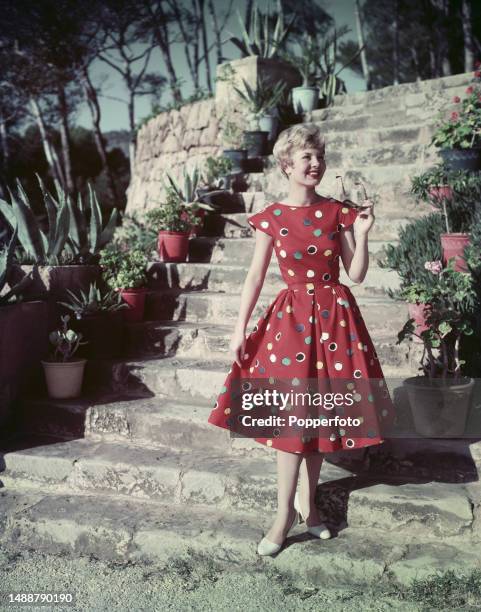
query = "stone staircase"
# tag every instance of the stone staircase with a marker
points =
(133, 471)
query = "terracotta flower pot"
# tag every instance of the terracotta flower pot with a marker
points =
(453, 245)
(135, 298)
(418, 313)
(173, 246)
(64, 380)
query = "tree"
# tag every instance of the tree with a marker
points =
(121, 51)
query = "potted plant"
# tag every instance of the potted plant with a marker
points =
(440, 398)
(216, 175)
(261, 106)
(192, 209)
(233, 141)
(459, 136)
(454, 193)
(63, 373)
(328, 81)
(416, 296)
(65, 256)
(306, 97)
(99, 319)
(124, 270)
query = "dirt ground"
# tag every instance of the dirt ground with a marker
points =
(185, 584)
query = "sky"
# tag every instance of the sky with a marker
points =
(114, 110)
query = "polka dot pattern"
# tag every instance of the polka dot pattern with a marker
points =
(312, 329)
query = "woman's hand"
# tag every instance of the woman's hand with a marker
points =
(365, 218)
(237, 346)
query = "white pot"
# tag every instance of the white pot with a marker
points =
(64, 380)
(269, 123)
(305, 99)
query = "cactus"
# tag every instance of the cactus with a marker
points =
(6, 258)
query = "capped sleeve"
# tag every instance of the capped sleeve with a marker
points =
(346, 216)
(261, 221)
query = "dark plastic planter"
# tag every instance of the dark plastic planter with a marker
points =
(462, 159)
(104, 333)
(256, 143)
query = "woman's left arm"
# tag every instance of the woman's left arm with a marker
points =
(354, 252)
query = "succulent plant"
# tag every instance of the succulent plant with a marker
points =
(93, 302)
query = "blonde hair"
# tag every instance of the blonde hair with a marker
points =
(298, 136)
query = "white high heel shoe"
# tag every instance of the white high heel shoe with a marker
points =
(266, 547)
(320, 531)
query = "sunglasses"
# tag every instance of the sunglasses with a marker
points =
(349, 203)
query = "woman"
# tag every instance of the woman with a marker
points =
(312, 330)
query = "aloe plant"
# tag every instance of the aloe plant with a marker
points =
(258, 36)
(6, 260)
(69, 236)
(93, 302)
(187, 193)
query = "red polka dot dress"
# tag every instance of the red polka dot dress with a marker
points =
(312, 331)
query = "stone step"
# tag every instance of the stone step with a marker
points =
(230, 278)
(378, 137)
(234, 225)
(195, 340)
(122, 529)
(181, 377)
(380, 314)
(169, 422)
(408, 94)
(203, 249)
(209, 478)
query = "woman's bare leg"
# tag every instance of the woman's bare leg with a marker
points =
(287, 475)
(309, 477)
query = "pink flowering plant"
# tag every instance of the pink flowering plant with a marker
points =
(452, 303)
(462, 129)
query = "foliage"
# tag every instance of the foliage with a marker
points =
(6, 259)
(418, 242)
(65, 341)
(463, 128)
(258, 36)
(173, 215)
(74, 230)
(215, 168)
(328, 81)
(123, 268)
(260, 100)
(452, 302)
(306, 61)
(458, 209)
(135, 233)
(93, 302)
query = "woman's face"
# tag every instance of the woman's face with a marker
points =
(307, 167)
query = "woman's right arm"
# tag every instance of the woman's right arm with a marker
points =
(250, 291)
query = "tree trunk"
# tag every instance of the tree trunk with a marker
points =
(215, 26)
(360, 37)
(65, 140)
(466, 19)
(161, 38)
(48, 148)
(132, 135)
(94, 106)
(204, 44)
(395, 44)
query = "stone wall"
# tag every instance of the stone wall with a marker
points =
(170, 141)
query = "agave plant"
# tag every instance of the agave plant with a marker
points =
(264, 97)
(330, 84)
(94, 301)
(6, 259)
(307, 61)
(68, 236)
(258, 36)
(187, 193)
